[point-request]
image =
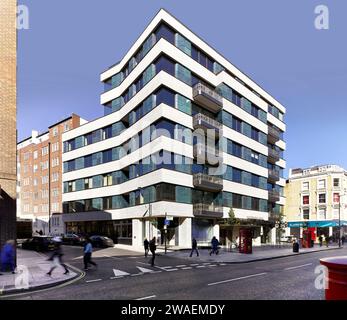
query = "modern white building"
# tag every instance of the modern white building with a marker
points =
(185, 135)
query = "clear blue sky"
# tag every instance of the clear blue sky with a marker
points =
(70, 43)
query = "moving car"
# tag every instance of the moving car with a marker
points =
(101, 241)
(39, 243)
(73, 239)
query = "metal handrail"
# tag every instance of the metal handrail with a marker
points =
(203, 88)
(207, 178)
(201, 117)
(207, 207)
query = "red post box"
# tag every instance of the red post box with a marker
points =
(245, 241)
(337, 278)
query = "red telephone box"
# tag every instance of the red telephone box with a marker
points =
(307, 237)
(245, 241)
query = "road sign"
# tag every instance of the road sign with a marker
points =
(169, 218)
(166, 222)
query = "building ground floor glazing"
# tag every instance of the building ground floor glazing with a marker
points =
(179, 233)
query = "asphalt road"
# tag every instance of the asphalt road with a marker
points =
(127, 275)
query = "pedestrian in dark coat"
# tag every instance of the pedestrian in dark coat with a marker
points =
(146, 246)
(57, 258)
(152, 248)
(214, 245)
(7, 256)
(194, 248)
(320, 241)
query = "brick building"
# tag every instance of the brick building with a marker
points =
(40, 176)
(8, 48)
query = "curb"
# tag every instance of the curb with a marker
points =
(272, 258)
(5, 293)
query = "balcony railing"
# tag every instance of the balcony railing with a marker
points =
(201, 121)
(207, 97)
(207, 182)
(274, 175)
(273, 155)
(274, 196)
(206, 154)
(207, 210)
(273, 134)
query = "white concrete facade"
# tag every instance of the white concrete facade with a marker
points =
(145, 216)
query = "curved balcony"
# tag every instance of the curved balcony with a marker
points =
(208, 183)
(201, 121)
(274, 176)
(207, 210)
(273, 135)
(207, 98)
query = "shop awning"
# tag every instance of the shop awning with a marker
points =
(316, 224)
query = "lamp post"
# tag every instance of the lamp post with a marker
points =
(340, 195)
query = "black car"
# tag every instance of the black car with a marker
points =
(101, 241)
(39, 243)
(73, 239)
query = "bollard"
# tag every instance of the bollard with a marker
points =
(337, 278)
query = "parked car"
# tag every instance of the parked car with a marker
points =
(287, 239)
(73, 239)
(101, 241)
(39, 243)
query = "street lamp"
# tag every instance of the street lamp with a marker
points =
(340, 195)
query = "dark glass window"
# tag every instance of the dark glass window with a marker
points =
(237, 149)
(237, 201)
(165, 96)
(165, 64)
(237, 124)
(237, 175)
(165, 32)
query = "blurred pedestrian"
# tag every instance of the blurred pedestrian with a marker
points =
(214, 245)
(146, 246)
(152, 248)
(194, 248)
(57, 257)
(7, 256)
(320, 240)
(88, 250)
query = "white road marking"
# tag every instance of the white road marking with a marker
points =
(175, 269)
(95, 280)
(212, 265)
(144, 298)
(235, 279)
(136, 274)
(201, 266)
(303, 265)
(194, 264)
(106, 256)
(187, 268)
(222, 264)
(116, 277)
(118, 273)
(181, 265)
(144, 270)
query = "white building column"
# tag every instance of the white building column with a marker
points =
(185, 232)
(216, 229)
(330, 231)
(137, 233)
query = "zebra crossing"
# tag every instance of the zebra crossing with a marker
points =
(143, 268)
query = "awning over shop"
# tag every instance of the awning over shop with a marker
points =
(316, 224)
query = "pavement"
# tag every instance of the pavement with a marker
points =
(258, 254)
(31, 274)
(124, 274)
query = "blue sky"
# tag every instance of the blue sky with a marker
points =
(69, 43)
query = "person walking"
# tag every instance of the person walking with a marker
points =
(146, 246)
(152, 248)
(7, 256)
(343, 240)
(88, 250)
(194, 248)
(320, 240)
(327, 239)
(214, 245)
(57, 257)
